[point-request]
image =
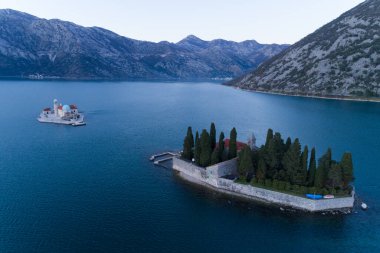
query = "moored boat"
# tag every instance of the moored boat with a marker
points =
(314, 196)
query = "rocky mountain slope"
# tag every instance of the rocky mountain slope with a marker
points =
(30, 45)
(340, 59)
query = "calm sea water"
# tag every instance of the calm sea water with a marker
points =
(92, 188)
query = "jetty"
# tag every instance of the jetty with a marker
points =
(164, 159)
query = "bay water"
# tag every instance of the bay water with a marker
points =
(93, 188)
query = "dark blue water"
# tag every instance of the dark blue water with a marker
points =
(92, 188)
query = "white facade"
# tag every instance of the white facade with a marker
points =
(62, 114)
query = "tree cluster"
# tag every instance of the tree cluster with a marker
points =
(204, 150)
(286, 166)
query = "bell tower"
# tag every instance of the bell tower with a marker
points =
(55, 104)
(252, 141)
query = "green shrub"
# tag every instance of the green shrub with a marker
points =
(342, 192)
(288, 186)
(281, 185)
(275, 184)
(268, 182)
(303, 190)
(325, 191)
(318, 191)
(241, 180)
(312, 190)
(261, 182)
(296, 188)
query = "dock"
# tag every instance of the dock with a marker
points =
(164, 159)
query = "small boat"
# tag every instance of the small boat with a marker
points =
(314, 196)
(329, 196)
(364, 206)
(78, 123)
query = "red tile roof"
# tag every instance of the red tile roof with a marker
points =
(239, 145)
(73, 107)
(60, 107)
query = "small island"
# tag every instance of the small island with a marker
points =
(62, 114)
(279, 172)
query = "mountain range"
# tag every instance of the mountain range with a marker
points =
(341, 58)
(55, 48)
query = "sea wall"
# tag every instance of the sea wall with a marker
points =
(188, 168)
(223, 169)
(199, 175)
(283, 198)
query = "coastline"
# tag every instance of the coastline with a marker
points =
(352, 99)
(207, 177)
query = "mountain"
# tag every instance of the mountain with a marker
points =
(30, 45)
(340, 59)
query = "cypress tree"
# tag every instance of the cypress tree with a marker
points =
(191, 137)
(324, 164)
(334, 177)
(221, 146)
(269, 137)
(329, 156)
(291, 161)
(347, 169)
(215, 156)
(328, 162)
(312, 168)
(255, 154)
(319, 180)
(274, 153)
(205, 158)
(232, 149)
(187, 151)
(213, 136)
(197, 149)
(245, 162)
(288, 144)
(303, 172)
(188, 145)
(261, 170)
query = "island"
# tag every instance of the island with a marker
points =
(62, 114)
(278, 172)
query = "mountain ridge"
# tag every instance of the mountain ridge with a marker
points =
(56, 48)
(339, 59)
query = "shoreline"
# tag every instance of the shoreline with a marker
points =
(260, 201)
(205, 177)
(352, 99)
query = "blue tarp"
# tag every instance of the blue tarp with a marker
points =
(314, 196)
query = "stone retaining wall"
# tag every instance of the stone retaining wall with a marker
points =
(223, 169)
(285, 199)
(199, 175)
(189, 168)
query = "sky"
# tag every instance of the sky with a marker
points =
(267, 21)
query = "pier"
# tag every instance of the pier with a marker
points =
(164, 159)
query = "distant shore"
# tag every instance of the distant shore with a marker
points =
(103, 79)
(343, 98)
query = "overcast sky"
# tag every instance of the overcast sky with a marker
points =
(267, 21)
